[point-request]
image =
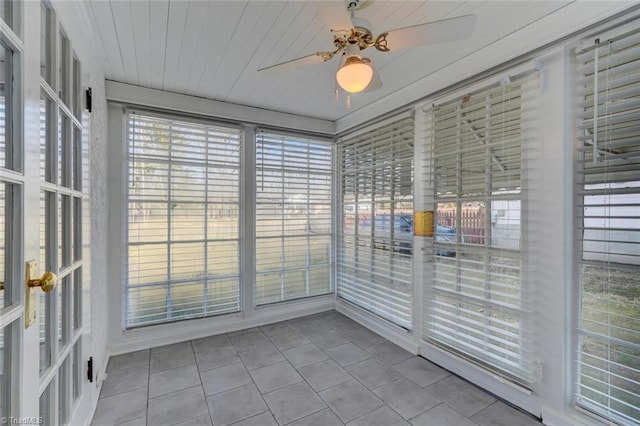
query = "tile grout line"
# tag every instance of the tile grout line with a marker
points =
(298, 372)
(252, 381)
(146, 413)
(195, 360)
(346, 371)
(303, 378)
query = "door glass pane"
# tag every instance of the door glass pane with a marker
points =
(45, 43)
(77, 298)
(57, 220)
(64, 310)
(47, 140)
(63, 69)
(45, 405)
(77, 229)
(77, 159)
(4, 264)
(65, 151)
(77, 100)
(77, 371)
(5, 370)
(6, 12)
(65, 231)
(6, 101)
(43, 313)
(44, 298)
(63, 387)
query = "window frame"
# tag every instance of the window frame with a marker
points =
(196, 121)
(524, 375)
(351, 247)
(293, 138)
(602, 329)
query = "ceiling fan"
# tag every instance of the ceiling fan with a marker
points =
(352, 35)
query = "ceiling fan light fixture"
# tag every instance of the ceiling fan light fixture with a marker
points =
(355, 75)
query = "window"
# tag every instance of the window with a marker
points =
(608, 225)
(183, 220)
(376, 240)
(477, 305)
(293, 217)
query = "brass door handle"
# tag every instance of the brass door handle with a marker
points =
(47, 282)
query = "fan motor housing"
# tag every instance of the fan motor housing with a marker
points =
(360, 36)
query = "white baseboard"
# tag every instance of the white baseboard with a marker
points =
(165, 334)
(396, 334)
(99, 376)
(572, 417)
(511, 392)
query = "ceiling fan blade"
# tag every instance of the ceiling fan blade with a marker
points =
(376, 81)
(445, 30)
(304, 61)
(335, 14)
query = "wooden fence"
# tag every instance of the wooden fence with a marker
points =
(472, 221)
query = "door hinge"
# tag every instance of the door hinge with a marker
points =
(90, 369)
(89, 94)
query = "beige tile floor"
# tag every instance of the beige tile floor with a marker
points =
(320, 370)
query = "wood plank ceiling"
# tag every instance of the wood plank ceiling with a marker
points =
(213, 49)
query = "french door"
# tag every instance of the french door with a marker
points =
(43, 171)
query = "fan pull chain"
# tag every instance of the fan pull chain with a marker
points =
(348, 101)
(335, 96)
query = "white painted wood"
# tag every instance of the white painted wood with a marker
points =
(123, 21)
(240, 47)
(561, 23)
(100, 52)
(176, 25)
(232, 13)
(309, 40)
(266, 20)
(27, 370)
(213, 49)
(197, 18)
(140, 18)
(107, 30)
(208, 39)
(271, 46)
(158, 14)
(192, 34)
(127, 94)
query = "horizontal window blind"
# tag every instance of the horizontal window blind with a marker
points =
(293, 217)
(478, 305)
(608, 220)
(182, 220)
(374, 262)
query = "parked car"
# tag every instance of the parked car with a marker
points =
(403, 234)
(445, 234)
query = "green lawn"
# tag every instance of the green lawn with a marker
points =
(194, 250)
